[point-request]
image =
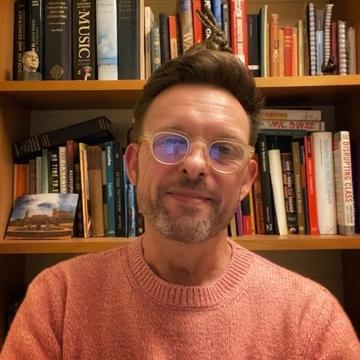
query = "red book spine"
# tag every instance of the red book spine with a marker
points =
(233, 26)
(288, 50)
(310, 176)
(245, 31)
(197, 24)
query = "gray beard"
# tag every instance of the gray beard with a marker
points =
(183, 226)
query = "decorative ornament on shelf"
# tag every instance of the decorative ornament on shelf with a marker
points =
(30, 61)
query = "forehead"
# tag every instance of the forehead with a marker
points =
(200, 110)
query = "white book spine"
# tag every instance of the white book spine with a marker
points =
(63, 169)
(106, 39)
(278, 189)
(342, 54)
(148, 23)
(324, 182)
(344, 183)
(307, 125)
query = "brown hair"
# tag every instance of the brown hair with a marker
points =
(204, 65)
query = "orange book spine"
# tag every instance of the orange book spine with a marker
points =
(197, 24)
(173, 36)
(294, 53)
(288, 50)
(21, 183)
(274, 45)
(310, 182)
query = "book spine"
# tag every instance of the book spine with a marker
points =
(20, 25)
(85, 194)
(289, 192)
(226, 19)
(274, 45)
(258, 202)
(197, 24)
(342, 54)
(327, 34)
(352, 50)
(264, 41)
(216, 10)
(79, 221)
(21, 183)
(265, 184)
(295, 150)
(334, 47)
(155, 48)
(39, 185)
(164, 37)
(131, 205)
(148, 25)
(246, 215)
(95, 190)
(36, 32)
(106, 39)
(290, 114)
(128, 25)
(70, 166)
(281, 51)
(186, 25)
(344, 183)
(32, 176)
(54, 176)
(253, 41)
(45, 171)
(307, 125)
(63, 170)
(84, 40)
(173, 37)
(312, 38)
(238, 26)
(119, 185)
(324, 182)
(294, 56)
(104, 183)
(301, 49)
(278, 190)
(207, 30)
(288, 50)
(110, 200)
(319, 33)
(58, 45)
(304, 189)
(311, 191)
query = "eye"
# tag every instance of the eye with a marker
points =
(223, 150)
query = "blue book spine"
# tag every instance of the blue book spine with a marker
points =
(319, 40)
(131, 205)
(216, 10)
(126, 199)
(110, 197)
(106, 39)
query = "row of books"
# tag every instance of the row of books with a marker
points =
(107, 200)
(319, 45)
(304, 186)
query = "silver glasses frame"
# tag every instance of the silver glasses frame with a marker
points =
(248, 149)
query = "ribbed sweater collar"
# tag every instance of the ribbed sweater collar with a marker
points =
(181, 296)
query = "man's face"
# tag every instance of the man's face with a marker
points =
(190, 202)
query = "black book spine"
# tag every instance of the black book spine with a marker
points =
(36, 31)
(265, 184)
(253, 44)
(84, 40)
(119, 190)
(58, 46)
(20, 27)
(128, 21)
(164, 37)
(54, 178)
(79, 221)
(94, 130)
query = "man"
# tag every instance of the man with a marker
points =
(184, 290)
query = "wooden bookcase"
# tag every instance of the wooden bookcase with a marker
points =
(19, 99)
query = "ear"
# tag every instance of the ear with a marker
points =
(248, 178)
(131, 161)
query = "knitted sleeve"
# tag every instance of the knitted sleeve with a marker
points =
(36, 332)
(332, 336)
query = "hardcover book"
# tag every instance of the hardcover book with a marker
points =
(84, 40)
(91, 131)
(106, 39)
(42, 216)
(20, 23)
(128, 23)
(57, 33)
(186, 25)
(36, 31)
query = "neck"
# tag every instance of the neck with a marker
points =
(187, 264)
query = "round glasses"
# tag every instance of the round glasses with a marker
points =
(224, 156)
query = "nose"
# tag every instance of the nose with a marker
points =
(196, 164)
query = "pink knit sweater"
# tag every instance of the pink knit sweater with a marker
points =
(112, 306)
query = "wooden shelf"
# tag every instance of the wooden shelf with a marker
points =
(256, 242)
(37, 95)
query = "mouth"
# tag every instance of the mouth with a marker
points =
(190, 197)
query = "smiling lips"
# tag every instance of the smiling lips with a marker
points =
(189, 196)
